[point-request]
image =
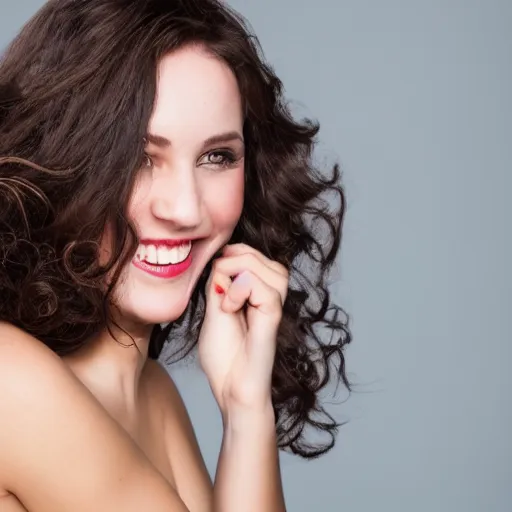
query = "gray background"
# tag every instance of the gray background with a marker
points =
(414, 101)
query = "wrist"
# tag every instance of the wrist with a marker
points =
(242, 418)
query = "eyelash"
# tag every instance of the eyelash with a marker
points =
(229, 159)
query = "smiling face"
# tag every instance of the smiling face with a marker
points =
(188, 196)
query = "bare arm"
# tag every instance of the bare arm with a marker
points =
(59, 449)
(248, 477)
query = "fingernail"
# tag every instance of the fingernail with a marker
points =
(219, 290)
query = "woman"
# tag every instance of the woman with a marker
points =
(154, 188)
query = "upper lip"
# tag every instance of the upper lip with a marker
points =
(166, 242)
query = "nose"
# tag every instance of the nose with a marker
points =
(177, 198)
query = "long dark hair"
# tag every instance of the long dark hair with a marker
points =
(77, 87)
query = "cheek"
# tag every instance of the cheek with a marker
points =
(225, 200)
(139, 199)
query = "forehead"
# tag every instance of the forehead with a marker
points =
(197, 95)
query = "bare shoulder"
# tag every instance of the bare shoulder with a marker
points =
(49, 422)
(16, 343)
(192, 479)
(26, 366)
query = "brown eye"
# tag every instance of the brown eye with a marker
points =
(220, 159)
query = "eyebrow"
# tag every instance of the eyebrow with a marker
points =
(163, 142)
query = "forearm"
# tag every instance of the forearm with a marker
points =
(248, 477)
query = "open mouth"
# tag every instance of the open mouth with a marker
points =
(164, 259)
(159, 255)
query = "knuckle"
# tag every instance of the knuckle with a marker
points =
(250, 258)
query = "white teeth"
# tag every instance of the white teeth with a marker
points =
(151, 254)
(184, 251)
(163, 255)
(141, 253)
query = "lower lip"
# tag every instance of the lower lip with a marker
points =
(164, 271)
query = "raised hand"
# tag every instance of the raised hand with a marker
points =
(244, 298)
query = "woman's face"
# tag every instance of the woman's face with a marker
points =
(189, 193)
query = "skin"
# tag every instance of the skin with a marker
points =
(105, 428)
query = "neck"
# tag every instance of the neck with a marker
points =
(111, 364)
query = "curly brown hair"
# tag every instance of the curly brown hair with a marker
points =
(77, 88)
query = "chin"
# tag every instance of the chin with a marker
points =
(154, 311)
(152, 306)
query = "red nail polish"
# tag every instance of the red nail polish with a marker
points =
(219, 289)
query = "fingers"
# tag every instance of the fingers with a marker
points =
(246, 289)
(249, 288)
(217, 285)
(240, 249)
(275, 276)
(261, 318)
